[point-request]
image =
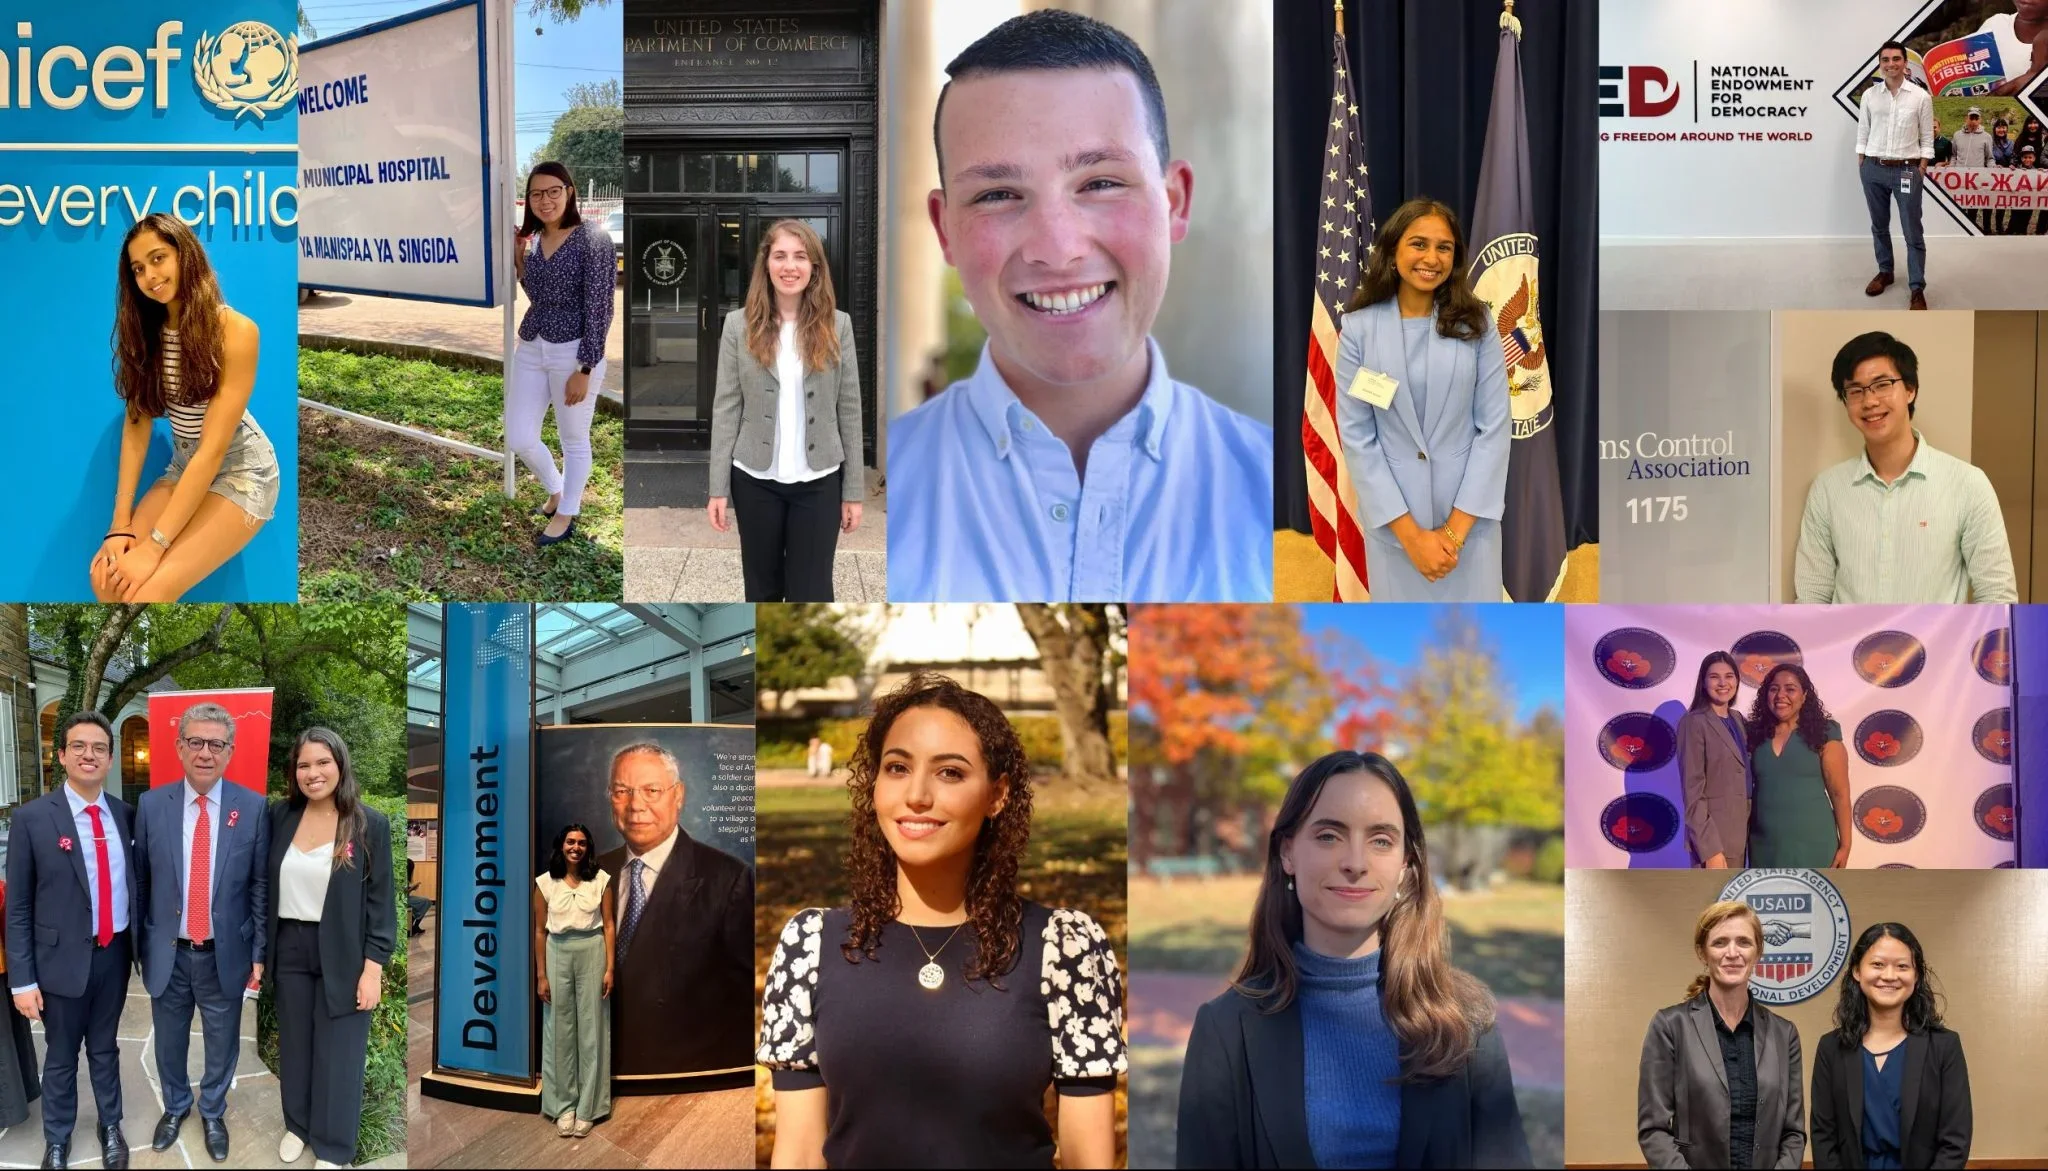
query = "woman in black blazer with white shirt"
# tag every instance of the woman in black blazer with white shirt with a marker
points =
(1890, 1086)
(332, 919)
(786, 422)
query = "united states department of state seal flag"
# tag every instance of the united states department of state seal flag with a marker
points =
(1505, 275)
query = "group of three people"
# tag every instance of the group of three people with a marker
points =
(206, 890)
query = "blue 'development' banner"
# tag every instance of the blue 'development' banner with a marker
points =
(114, 110)
(484, 1004)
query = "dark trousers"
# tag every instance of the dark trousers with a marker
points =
(195, 982)
(788, 533)
(93, 1020)
(320, 1058)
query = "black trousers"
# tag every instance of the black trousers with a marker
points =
(93, 1020)
(788, 534)
(320, 1058)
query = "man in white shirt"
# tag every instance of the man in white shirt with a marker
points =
(1894, 142)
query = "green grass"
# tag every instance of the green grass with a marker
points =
(388, 519)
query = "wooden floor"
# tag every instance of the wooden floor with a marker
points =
(1302, 574)
(714, 1129)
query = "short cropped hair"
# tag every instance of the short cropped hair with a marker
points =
(1891, 45)
(1054, 39)
(83, 716)
(1876, 344)
(207, 713)
(646, 748)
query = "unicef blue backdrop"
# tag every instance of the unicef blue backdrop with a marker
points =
(125, 109)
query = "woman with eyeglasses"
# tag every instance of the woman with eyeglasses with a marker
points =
(568, 268)
(573, 948)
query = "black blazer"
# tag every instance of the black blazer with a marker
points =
(49, 903)
(359, 920)
(683, 993)
(1241, 1099)
(1934, 1102)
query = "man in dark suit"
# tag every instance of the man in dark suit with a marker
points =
(683, 987)
(202, 853)
(70, 888)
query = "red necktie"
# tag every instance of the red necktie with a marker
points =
(105, 933)
(198, 898)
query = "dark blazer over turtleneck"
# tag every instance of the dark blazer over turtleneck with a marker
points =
(1934, 1102)
(1468, 1119)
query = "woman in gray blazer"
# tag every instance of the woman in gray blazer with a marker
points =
(1713, 767)
(1719, 1084)
(786, 422)
(1423, 415)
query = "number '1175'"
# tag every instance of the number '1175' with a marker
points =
(1655, 509)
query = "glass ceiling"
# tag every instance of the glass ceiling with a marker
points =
(563, 632)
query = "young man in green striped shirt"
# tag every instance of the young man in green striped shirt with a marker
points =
(1903, 522)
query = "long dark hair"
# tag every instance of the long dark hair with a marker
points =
(348, 795)
(1435, 1010)
(993, 905)
(1813, 717)
(1922, 1010)
(1460, 313)
(139, 324)
(570, 218)
(1699, 688)
(558, 862)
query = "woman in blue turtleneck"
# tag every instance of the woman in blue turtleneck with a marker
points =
(1347, 972)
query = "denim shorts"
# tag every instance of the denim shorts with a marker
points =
(248, 474)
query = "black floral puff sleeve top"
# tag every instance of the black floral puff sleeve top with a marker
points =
(952, 1076)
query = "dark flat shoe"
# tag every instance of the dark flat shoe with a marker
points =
(543, 540)
(57, 1156)
(216, 1138)
(166, 1131)
(113, 1148)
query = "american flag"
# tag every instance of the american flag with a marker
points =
(1343, 240)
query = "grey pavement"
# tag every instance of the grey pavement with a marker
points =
(674, 555)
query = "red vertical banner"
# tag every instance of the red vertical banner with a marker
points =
(250, 707)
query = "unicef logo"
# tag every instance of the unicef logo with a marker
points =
(1888, 738)
(1634, 658)
(1806, 932)
(1756, 653)
(1890, 658)
(1637, 742)
(1994, 812)
(1890, 814)
(1992, 737)
(247, 69)
(1640, 823)
(1993, 657)
(665, 263)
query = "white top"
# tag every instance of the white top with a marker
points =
(191, 828)
(302, 882)
(185, 417)
(573, 908)
(791, 465)
(2015, 56)
(1895, 126)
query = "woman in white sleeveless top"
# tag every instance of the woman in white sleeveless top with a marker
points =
(179, 353)
(572, 951)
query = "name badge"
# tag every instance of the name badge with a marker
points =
(1371, 386)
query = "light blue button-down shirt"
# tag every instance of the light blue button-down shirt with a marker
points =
(985, 504)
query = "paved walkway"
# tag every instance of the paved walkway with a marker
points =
(674, 555)
(461, 328)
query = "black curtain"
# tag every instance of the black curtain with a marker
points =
(1423, 74)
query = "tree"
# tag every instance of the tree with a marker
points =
(563, 11)
(589, 137)
(1076, 649)
(807, 644)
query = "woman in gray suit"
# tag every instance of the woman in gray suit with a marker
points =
(1424, 415)
(1713, 767)
(785, 422)
(1719, 1084)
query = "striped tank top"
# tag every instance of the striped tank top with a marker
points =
(185, 417)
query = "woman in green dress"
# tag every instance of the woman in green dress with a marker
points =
(1800, 772)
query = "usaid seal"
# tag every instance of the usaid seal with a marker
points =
(1641, 823)
(1993, 656)
(1637, 742)
(1890, 658)
(1992, 737)
(1888, 738)
(1806, 932)
(1994, 812)
(1634, 658)
(248, 69)
(665, 263)
(1757, 652)
(1890, 814)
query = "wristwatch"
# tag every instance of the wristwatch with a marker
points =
(162, 541)
(583, 369)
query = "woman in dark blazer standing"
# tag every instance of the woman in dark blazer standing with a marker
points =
(786, 423)
(1719, 1082)
(1890, 1088)
(333, 922)
(1348, 1039)
(1713, 767)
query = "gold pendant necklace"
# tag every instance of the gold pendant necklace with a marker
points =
(932, 975)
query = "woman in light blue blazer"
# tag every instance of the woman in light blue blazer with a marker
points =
(1423, 411)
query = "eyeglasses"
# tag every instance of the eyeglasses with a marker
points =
(89, 750)
(204, 744)
(554, 192)
(1855, 392)
(648, 794)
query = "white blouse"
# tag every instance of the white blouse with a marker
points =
(573, 908)
(791, 464)
(302, 882)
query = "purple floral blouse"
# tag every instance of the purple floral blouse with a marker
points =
(570, 293)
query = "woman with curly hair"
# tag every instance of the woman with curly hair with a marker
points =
(1890, 1087)
(921, 1025)
(1348, 1039)
(1800, 813)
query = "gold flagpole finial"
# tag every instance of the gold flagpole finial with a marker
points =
(1340, 17)
(1507, 17)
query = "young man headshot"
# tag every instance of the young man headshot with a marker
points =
(1070, 466)
(1902, 522)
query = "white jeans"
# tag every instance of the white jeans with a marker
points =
(540, 375)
